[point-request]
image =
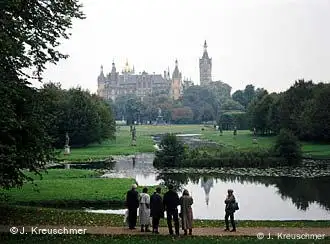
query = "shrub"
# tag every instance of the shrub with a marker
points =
(172, 152)
(288, 147)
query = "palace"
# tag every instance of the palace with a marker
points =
(115, 84)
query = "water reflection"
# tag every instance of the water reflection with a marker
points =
(302, 192)
(207, 184)
(260, 197)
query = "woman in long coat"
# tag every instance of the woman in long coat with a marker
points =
(144, 210)
(186, 212)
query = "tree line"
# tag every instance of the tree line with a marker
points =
(302, 109)
(198, 104)
(84, 116)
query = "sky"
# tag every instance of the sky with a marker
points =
(267, 43)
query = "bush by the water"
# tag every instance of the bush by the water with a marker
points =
(288, 147)
(171, 153)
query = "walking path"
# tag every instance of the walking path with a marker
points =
(279, 232)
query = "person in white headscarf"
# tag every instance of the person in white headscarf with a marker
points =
(144, 210)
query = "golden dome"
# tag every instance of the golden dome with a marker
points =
(127, 68)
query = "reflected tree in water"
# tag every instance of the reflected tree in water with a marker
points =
(175, 179)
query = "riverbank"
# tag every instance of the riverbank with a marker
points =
(121, 145)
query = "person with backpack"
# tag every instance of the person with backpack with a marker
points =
(231, 207)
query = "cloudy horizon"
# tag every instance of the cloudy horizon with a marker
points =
(269, 44)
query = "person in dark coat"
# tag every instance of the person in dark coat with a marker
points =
(156, 209)
(132, 203)
(171, 202)
(229, 209)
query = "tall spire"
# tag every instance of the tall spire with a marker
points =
(101, 76)
(113, 70)
(205, 54)
(176, 73)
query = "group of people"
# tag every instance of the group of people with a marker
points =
(155, 205)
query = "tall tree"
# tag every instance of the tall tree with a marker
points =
(30, 33)
(293, 103)
(238, 96)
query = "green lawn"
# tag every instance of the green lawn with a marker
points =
(242, 141)
(144, 239)
(316, 150)
(121, 146)
(57, 174)
(72, 188)
(22, 215)
(70, 185)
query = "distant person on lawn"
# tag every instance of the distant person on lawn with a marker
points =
(156, 209)
(144, 210)
(230, 209)
(171, 202)
(132, 203)
(186, 212)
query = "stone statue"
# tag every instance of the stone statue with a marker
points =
(220, 129)
(133, 136)
(134, 161)
(66, 146)
(159, 112)
(67, 139)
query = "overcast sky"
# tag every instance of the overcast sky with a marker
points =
(269, 43)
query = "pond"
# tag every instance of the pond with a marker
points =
(274, 194)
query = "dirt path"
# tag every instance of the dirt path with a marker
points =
(277, 232)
